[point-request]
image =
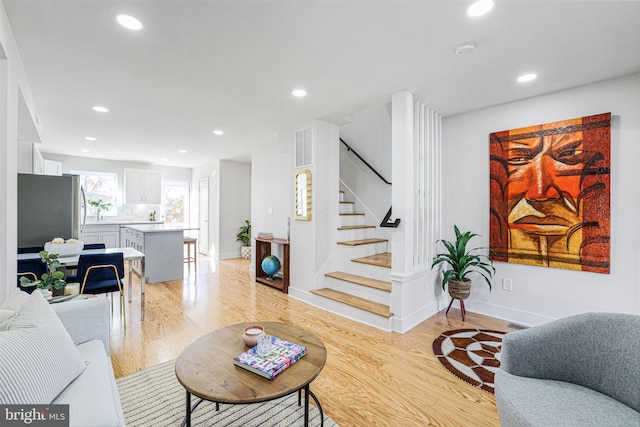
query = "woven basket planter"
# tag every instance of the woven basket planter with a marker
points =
(245, 252)
(459, 289)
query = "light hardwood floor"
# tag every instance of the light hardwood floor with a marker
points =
(372, 377)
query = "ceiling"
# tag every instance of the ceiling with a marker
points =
(203, 65)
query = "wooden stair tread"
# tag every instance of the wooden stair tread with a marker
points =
(361, 280)
(346, 203)
(381, 260)
(361, 242)
(348, 214)
(353, 301)
(355, 227)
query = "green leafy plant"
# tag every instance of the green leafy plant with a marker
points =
(53, 278)
(244, 235)
(100, 204)
(461, 261)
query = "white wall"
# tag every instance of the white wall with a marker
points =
(542, 294)
(235, 206)
(13, 83)
(272, 192)
(370, 135)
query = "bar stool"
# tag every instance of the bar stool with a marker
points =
(191, 242)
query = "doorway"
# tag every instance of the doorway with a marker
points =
(203, 215)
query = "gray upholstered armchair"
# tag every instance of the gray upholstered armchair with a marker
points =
(582, 370)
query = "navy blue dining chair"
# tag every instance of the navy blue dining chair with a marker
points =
(30, 249)
(95, 246)
(102, 274)
(32, 269)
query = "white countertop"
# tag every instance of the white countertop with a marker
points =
(121, 222)
(158, 228)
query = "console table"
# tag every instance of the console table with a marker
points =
(263, 250)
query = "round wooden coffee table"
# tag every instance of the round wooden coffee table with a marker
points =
(206, 370)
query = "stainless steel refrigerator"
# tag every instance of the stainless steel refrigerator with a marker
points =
(49, 207)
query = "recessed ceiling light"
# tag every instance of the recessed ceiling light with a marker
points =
(182, 151)
(164, 160)
(100, 109)
(299, 93)
(85, 151)
(89, 138)
(527, 77)
(129, 22)
(480, 7)
(218, 132)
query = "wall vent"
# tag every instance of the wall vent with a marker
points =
(304, 147)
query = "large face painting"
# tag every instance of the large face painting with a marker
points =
(550, 194)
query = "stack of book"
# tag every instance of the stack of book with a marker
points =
(283, 354)
(264, 235)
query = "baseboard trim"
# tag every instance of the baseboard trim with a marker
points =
(522, 317)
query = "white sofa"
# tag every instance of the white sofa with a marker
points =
(92, 395)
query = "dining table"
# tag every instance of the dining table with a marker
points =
(129, 254)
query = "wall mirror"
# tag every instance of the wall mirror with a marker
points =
(303, 195)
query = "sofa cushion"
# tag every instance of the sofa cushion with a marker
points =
(539, 402)
(101, 406)
(37, 357)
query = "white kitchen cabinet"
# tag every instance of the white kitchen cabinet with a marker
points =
(52, 167)
(97, 233)
(142, 186)
(30, 159)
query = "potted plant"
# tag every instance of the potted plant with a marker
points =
(244, 236)
(100, 205)
(52, 279)
(461, 262)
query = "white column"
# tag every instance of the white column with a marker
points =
(8, 178)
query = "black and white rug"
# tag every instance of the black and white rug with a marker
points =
(153, 397)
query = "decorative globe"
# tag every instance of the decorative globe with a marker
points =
(270, 265)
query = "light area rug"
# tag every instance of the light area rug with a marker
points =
(153, 397)
(473, 355)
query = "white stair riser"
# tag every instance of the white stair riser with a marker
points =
(356, 234)
(365, 270)
(354, 313)
(341, 196)
(346, 207)
(371, 294)
(360, 251)
(351, 219)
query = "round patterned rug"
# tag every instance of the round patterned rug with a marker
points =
(473, 355)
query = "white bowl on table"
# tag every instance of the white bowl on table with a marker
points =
(64, 249)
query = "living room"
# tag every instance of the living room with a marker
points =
(539, 295)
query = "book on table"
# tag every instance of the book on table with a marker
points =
(283, 354)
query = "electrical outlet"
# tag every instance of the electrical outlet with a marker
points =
(506, 284)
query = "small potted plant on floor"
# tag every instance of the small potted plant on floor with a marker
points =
(461, 262)
(244, 236)
(53, 278)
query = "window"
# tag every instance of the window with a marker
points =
(100, 186)
(175, 202)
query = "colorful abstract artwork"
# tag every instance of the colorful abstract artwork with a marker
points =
(550, 194)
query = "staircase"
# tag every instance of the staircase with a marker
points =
(361, 290)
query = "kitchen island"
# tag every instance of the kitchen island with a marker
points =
(163, 247)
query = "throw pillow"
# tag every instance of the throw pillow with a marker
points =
(37, 356)
(10, 307)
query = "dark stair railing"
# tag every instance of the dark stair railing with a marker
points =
(386, 222)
